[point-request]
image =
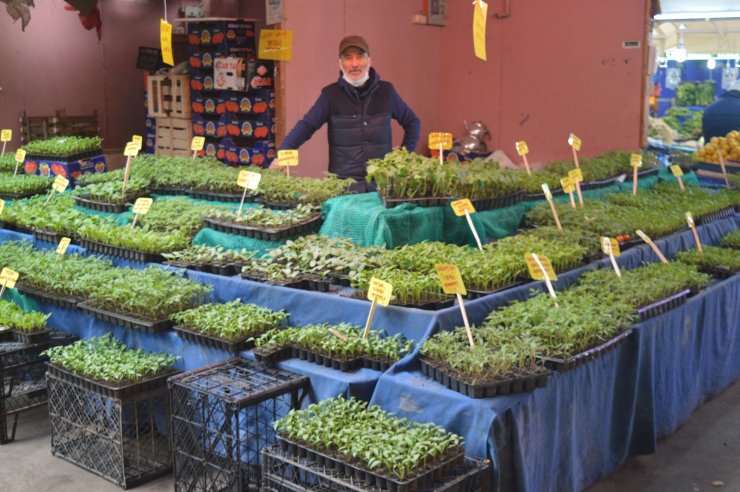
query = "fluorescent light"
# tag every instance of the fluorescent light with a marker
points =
(711, 64)
(728, 14)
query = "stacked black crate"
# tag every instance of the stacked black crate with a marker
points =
(237, 120)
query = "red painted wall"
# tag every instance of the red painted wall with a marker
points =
(552, 69)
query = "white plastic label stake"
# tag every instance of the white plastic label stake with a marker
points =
(652, 245)
(522, 149)
(575, 145)
(607, 244)
(692, 225)
(249, 181)
(554, 211)
(452, 283)
(379, 292)
(724, 170)
(547, 277)
(678, 172)
(465, 207)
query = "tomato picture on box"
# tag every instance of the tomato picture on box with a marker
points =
(201, 82)
(215, 33)
(243, 150)
(205, 125)
(260, 74)
(233, 126)
(210, 148)
(244, 104)
(69, 169)
(202, 59)
(204, 102)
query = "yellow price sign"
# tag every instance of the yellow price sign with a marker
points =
(2, 205)
(574, 142)
(379, 291)
(690, 219)
(248, 179)
(165, 41)
(546, 191)
(275, 44)
(567, 185)
(575, 175)
(480, 14)
(450, 278)
(462, 206)
(636, 160)
(60, 184)
(137, 140)
(287, 158)
(534, 269)
(6, 135)
(609, 245)
(676, 170)
(132, 149)
(63, 245)
(20, 155)
(8, 278)
(521, 148)
(142, 205)
(439, 139)
(197, 143)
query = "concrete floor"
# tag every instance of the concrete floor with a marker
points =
(703, 455)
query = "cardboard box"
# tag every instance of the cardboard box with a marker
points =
(69, 169)
(243, 150)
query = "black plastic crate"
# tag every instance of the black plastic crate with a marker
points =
(129, 254)
(124, 440)
(565, 364)
(309, 225)
(222, 416)
(282, 471)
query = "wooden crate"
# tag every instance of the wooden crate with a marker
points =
(168, 96)
(174, 136)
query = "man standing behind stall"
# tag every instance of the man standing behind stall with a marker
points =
(358, 108)
(723, 115)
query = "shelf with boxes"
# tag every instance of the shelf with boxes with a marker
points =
(231, 92)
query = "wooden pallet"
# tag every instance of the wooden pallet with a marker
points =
(174, 136)
(168, 96)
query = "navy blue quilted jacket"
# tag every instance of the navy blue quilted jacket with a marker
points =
(359, 124)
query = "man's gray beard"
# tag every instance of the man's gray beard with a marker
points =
(358, 82)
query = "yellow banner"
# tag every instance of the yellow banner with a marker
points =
(479, 29)
(276, 44)
(165, 41)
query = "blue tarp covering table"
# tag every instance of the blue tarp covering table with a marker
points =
(587, 421)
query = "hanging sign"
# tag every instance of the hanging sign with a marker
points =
(20, 156)
(275, 44)
(523, 150)
(452, 283)
(678, 172)
(652, 245)
(548, 196)
(692, 225)
(165, 41)
(465, 207)
(480, 12)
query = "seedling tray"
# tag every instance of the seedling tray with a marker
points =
(152, 326)
(297, 283)
(653, 171)
(718, 215)
(311, 224)
(344, 365)
(562, 365)
(54, 300)
(427, 304)
(169, 191)
(720, 272)
(212, 341)
(47, 236)
(340, 279)
(18, 196)
(437, 468)
(277, 205)
(381, 365)
(430, 201)
(483, 204)
(476, 293)
(41, 336)
(66, 157)
(221, 196)
(270, 357)
(114, 208)
(316, 283)
(226, 269)
(602, 183)
(523, 384)
(664, 305)
(15, 227)
(111, 390)
(129, 254)
(532, 197)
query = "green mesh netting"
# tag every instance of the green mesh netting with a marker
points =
(365, 220)
(24, 302)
